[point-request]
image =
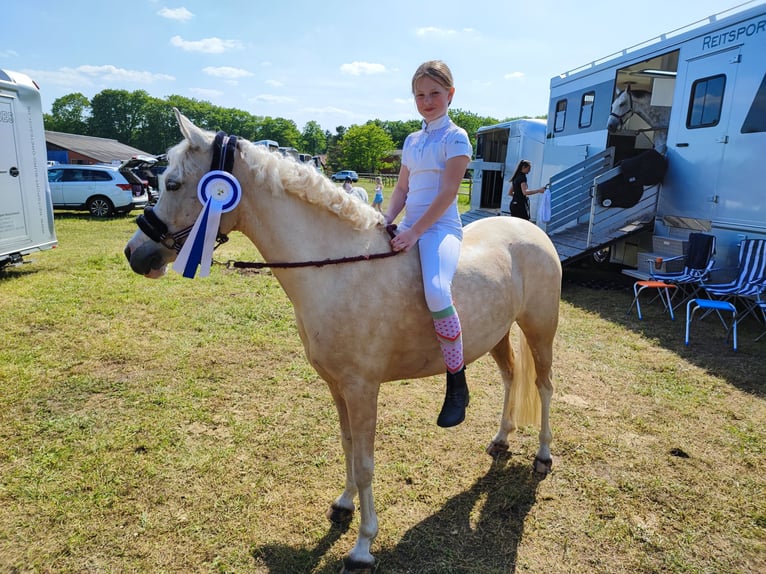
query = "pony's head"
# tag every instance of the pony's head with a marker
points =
(622, 108)
(163, 229)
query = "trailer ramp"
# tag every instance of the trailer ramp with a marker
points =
(579, 224)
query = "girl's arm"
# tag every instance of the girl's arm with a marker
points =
(529, 192)
(399, 195)
(450, 185)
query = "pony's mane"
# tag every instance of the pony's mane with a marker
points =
(284, 174)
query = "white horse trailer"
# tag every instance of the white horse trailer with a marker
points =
(26, 212)
(499, 148)
(705, 92)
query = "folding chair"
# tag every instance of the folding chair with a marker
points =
(663, 292)
(697, 265)
(751, 272)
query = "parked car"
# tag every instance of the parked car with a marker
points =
(103, 190)
(342, 175)
(149, 173)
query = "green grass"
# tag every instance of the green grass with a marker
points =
(175, 426)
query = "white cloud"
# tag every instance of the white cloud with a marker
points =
(206, 93)
(206, 45)
(113, 73)
(8, 54)
(514, 76)
(226, 72)
(274, 83)
(401, 101)
(272, 99)
(432, 31)
(181, 14)
(359, 68)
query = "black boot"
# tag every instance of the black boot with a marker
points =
(455, 400)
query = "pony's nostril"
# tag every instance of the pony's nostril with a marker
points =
(127, 253)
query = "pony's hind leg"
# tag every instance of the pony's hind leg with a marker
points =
(537, 348)
(502, 353)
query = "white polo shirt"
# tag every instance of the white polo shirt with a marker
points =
(425, 155)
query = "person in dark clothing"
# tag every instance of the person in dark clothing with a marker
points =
(519, 191)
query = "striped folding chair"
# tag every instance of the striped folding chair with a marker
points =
(751, 272)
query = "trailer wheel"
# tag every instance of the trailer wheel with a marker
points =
(100, 206)
(601, 256)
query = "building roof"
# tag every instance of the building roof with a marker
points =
(102, 150)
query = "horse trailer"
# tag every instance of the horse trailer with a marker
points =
(26, 211)
(659, 140)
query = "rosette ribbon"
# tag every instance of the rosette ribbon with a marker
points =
(219, 192)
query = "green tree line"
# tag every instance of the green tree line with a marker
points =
(147, 123)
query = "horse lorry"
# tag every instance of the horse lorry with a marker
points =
(705, 87)
(26, 211)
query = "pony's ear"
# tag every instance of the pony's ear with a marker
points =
(191, 133)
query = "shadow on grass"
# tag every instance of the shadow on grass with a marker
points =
(609, 294)
(477, 531)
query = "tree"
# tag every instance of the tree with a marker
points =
(313, 139)
(283, 131)
(69, 114)
(364, 147)
(118, 114)
(400, 130)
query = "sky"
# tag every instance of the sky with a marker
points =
(338, 63)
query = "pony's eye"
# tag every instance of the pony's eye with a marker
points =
(172, 185)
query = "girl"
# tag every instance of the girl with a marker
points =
(519, 191)
(377, 201)
(434, 161)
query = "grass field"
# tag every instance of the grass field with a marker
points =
(174, 426)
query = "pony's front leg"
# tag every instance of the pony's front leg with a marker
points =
(341, 511)
(361, 400)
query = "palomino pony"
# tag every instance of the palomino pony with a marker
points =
(630, 103)
(301, 223)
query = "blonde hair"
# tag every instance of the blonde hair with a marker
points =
(437, 70)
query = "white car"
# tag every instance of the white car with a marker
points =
(103, 190)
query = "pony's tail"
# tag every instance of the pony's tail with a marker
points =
(524, 397)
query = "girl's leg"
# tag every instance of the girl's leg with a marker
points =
(439, 254)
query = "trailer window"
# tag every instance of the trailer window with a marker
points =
(706, 102)
(561, 114)
(756, 117)
(586, 109)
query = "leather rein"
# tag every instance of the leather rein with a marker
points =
(223, 159)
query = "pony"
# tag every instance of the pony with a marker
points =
(629, 103)
(329, 252)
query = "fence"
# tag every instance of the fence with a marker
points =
(390, 180)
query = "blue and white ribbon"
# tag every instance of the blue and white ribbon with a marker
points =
(219, 192)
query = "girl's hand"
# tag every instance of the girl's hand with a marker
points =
(405, 240)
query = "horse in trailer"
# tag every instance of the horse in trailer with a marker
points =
(330, 253)
(637, 103)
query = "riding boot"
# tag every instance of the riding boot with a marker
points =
(455, 400)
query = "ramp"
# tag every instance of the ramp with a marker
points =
(579, 224)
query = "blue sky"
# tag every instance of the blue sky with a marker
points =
(335, 62)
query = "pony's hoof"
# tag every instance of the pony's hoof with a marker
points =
(357, 567)
(339, 515)
(542, 467)
(497, 449)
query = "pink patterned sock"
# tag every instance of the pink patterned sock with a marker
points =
(447, 325)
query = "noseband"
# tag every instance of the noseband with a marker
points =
(628, 113)
(156, 230)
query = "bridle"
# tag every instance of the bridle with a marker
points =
(622, 117)
(224, 147)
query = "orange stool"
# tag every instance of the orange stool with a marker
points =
(663, 292)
